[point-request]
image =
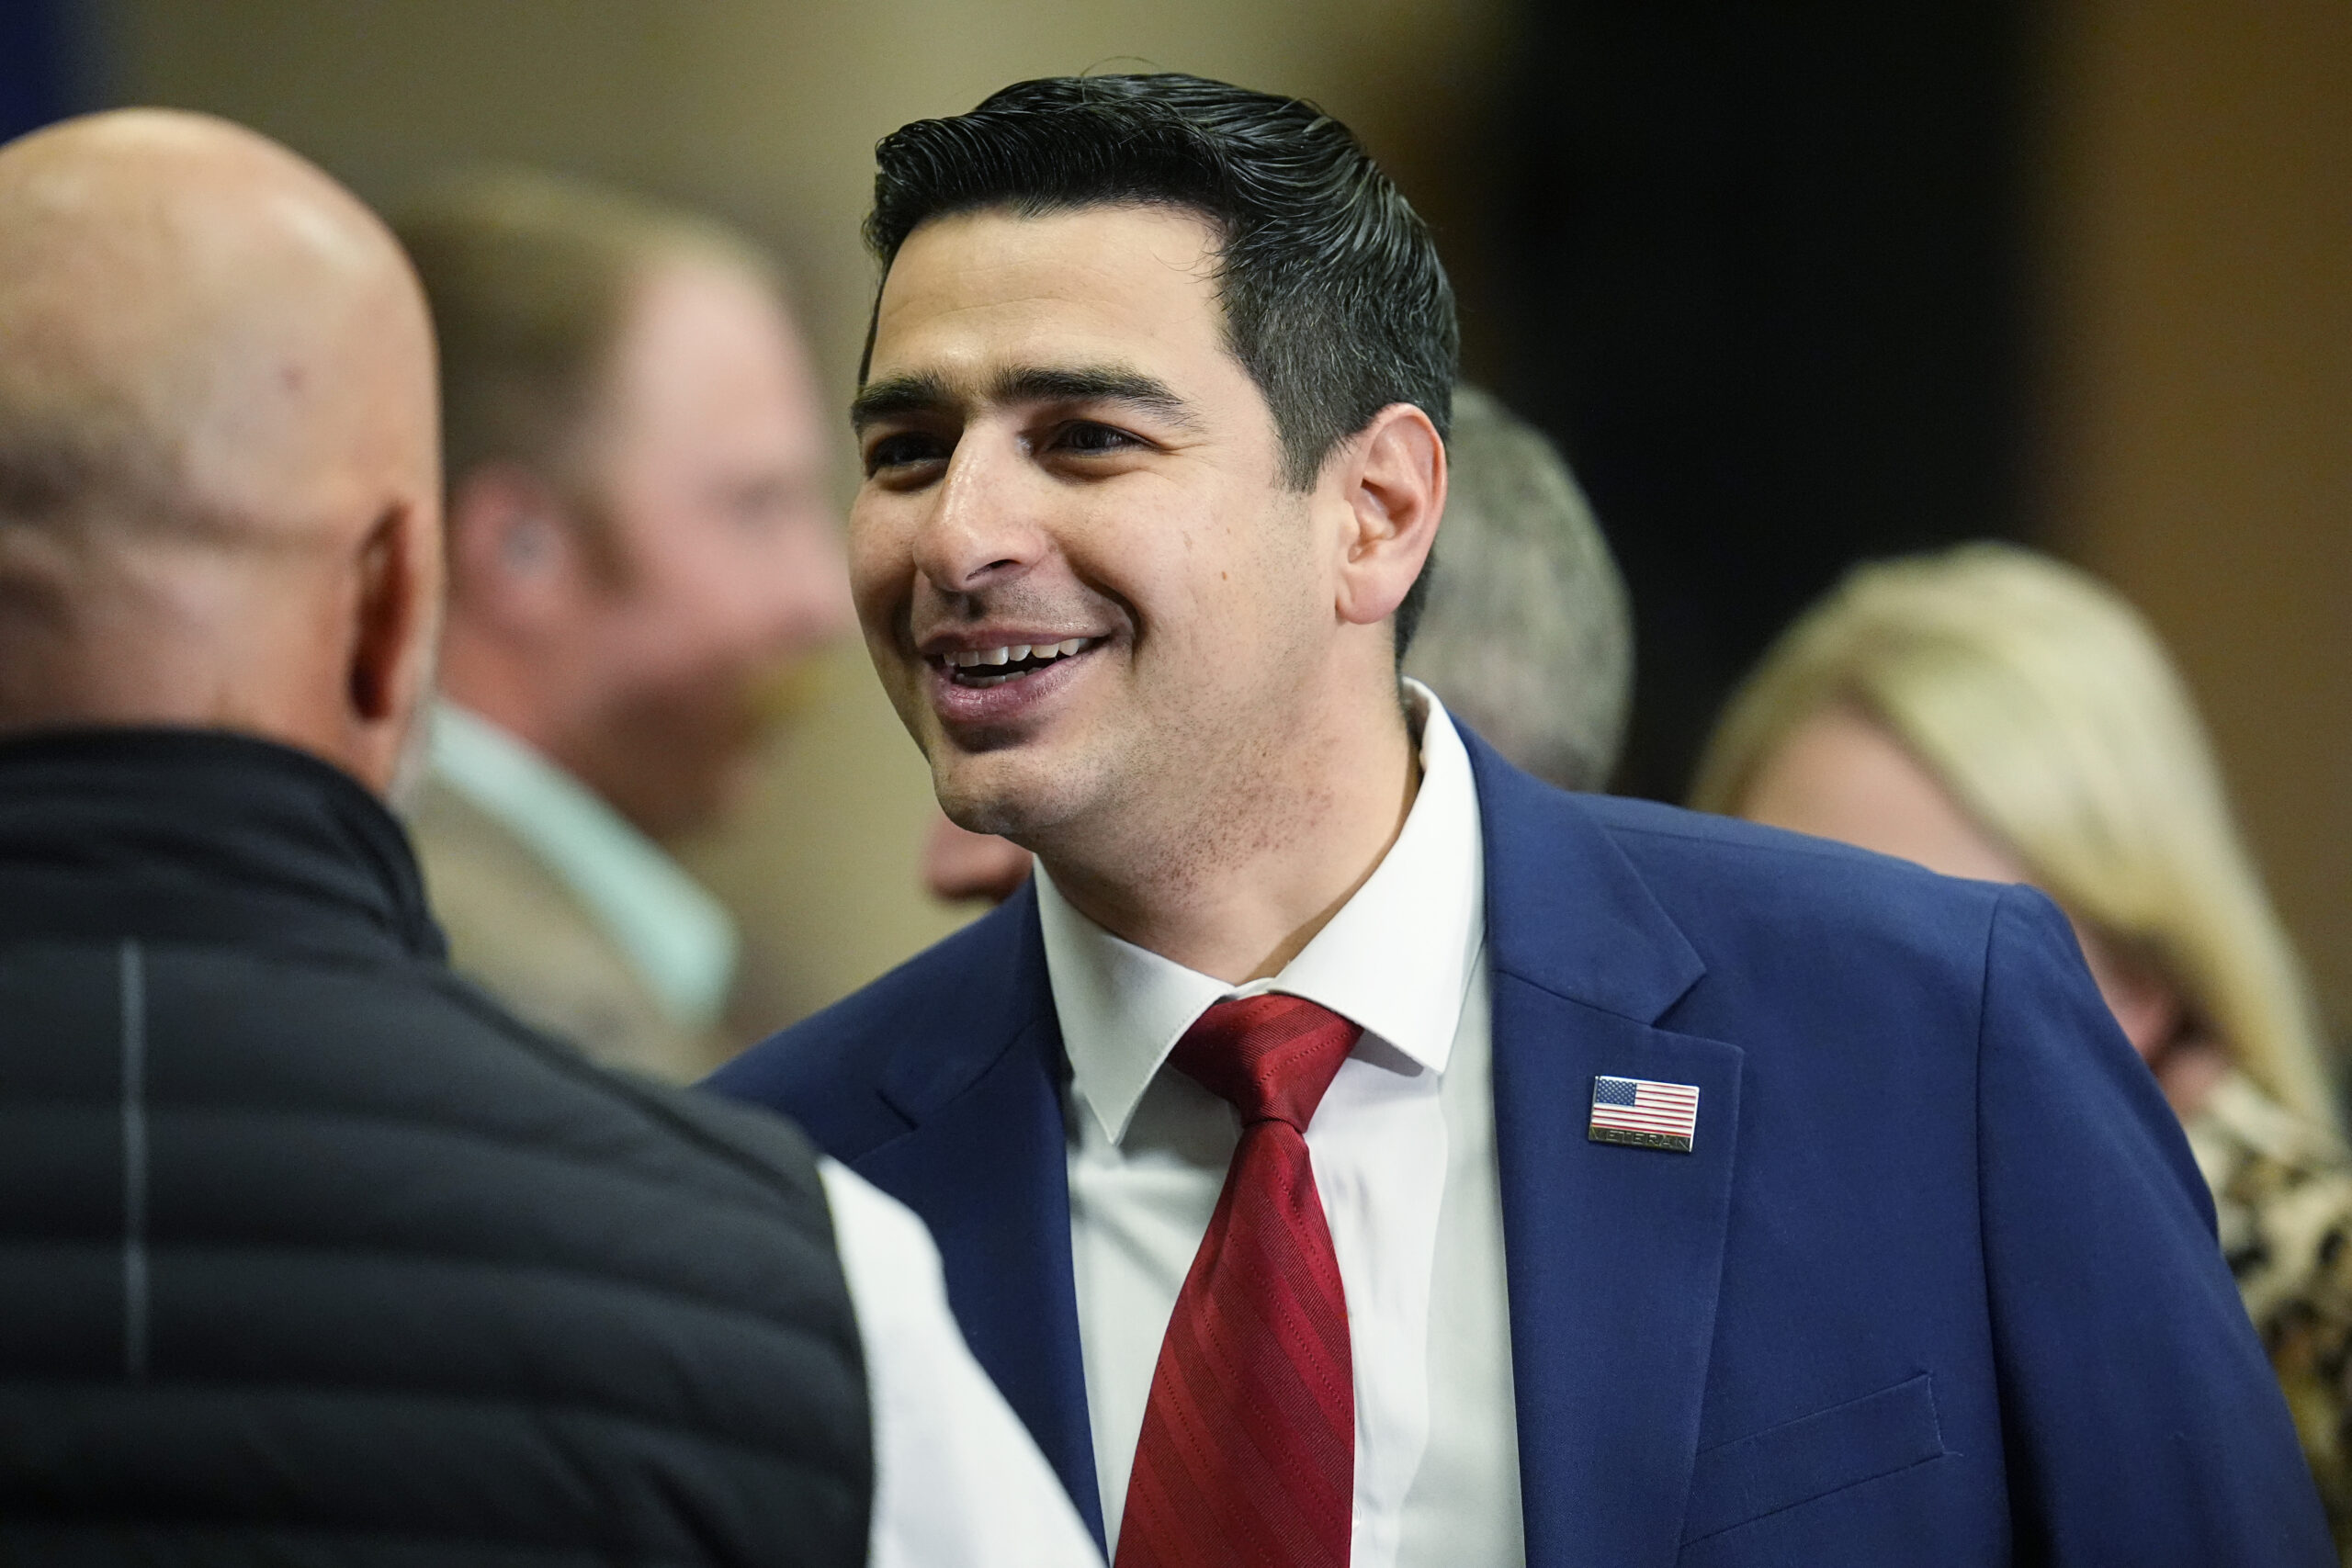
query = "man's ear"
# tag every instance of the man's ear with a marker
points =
(396, 626)
(514, 557)
(1392, 481)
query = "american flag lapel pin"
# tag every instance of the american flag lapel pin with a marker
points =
(1644, 1116)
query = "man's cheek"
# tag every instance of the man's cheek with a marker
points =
(877, 539)
(879, 598)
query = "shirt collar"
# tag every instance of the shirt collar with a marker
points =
(1397, 958)
(680, 940)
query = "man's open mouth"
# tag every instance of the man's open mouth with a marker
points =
(995, 666)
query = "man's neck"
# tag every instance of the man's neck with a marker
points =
(506, 687)
(1242, 889)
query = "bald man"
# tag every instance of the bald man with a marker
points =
(308, 1252)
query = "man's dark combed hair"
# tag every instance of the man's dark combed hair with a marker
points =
(1335, 300)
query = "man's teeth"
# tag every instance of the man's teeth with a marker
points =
(1014, 653)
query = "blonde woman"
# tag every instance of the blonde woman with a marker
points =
(1991, 713)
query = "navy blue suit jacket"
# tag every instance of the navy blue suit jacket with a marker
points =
(1938, 1283)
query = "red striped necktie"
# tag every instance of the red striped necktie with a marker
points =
(1249, 1447)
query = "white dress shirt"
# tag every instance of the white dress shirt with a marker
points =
(958, 1483)
(1403, 1151)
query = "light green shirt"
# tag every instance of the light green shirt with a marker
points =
(680, 940)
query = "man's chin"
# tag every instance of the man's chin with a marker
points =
(674, 783)
(1002, 818)
(1006, 796)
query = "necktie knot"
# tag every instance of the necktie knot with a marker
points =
(1270, 1056)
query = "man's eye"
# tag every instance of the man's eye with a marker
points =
(1088, 438)
(904, 450)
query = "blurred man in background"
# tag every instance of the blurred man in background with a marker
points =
(640, 547)
(308, 1252)
(1527, 636)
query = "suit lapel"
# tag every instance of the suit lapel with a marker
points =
(1613, 1255)
(985, 1164)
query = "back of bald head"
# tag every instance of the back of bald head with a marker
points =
(216, 440)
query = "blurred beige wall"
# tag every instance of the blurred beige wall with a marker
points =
(2200, 309)
(768, 111)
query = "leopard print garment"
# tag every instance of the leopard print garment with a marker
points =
(2283, 1193)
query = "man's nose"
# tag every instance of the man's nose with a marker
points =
(983, 525)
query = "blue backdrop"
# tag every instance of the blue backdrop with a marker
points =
(40, 66)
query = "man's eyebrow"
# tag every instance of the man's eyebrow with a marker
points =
(1092, 384)
(896, 396)
(899, 396)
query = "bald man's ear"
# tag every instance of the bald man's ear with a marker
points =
(1390, 481)
(398, 612)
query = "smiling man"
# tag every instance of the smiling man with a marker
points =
(1350, 1150)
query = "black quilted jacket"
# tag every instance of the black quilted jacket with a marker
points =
(310, 1254)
